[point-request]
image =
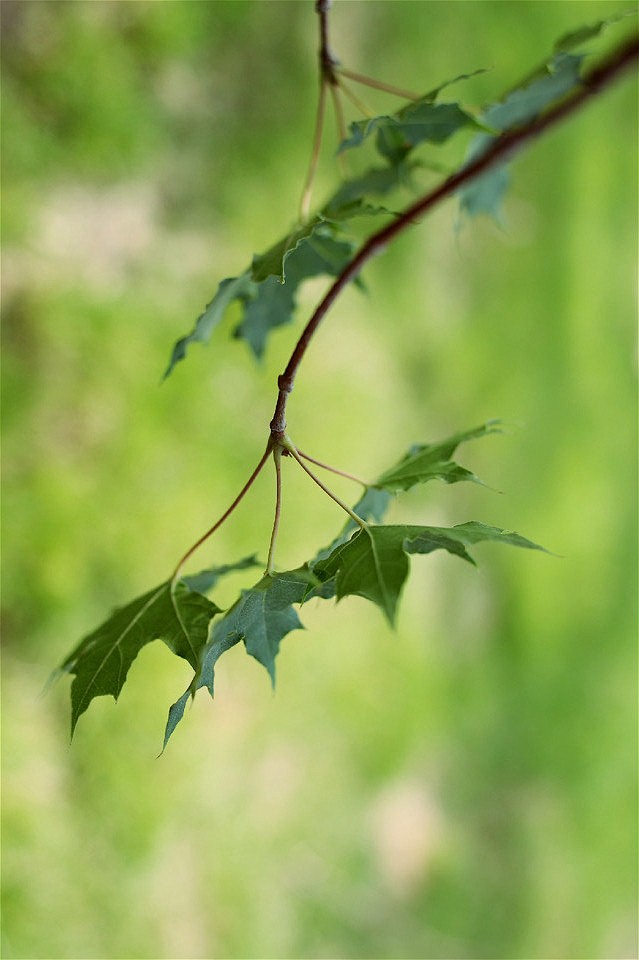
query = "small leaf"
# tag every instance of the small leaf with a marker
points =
(101, 661)
(308, 252)
(264, 615)
(205, 580)
(350, 199)
(273, 306)
(272, 263)
(560, 75)
(234, 288)
(576, 37)
(419, 122)
(432, 461)
(312, 251)
(547, 86)
(374, 563)
(261, 617)
(455, 538)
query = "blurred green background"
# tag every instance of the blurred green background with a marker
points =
(463, 787)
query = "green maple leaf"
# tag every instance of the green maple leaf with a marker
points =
(374, 564)
(101, 661)
(582, 34)
(420, 121)
(239, 288)
(176, 613)
(546, 86)
(313, 249)
(261, 617)
(267, 291)
(432, 461)
(273, 306)
(422, 463)
(281, 271)
(351, 199)
(205, 580)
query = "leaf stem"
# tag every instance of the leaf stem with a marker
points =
(277, 458)
(227, 513)
(592, 83)
(327, 466)
(289, 446)
(377, 84)
(305, 201)
(355, 100)
(341, 125)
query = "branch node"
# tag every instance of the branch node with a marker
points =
(284, 384)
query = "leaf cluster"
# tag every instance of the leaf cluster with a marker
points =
(368, 559)
(266, 291)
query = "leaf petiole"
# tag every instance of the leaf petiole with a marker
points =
(327, 466)
(292, 450)
(341, 124)
(355, 100)
(227, 513)
(305, 202)
(277, 458)
(378, 84)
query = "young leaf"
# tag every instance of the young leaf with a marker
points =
(267, 291)
(576, 37)
(350, 200)
(261, 617)
(205, 580)
(553, 82)
(101, 661)
(284, 268)
(454, 539)
(234, 288)
(432, 461)
(419, 465)
(273, 306)
(419, 122)
(374, 562)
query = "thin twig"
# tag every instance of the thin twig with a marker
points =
(305, 201)
(227, 513)
(378, 84)
(296, 456)
(355, 100)
(277, 457)
(341, 125)
(327, 466)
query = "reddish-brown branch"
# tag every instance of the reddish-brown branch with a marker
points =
(506, 144)
(327, 60)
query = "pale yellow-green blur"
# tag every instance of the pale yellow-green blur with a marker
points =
(462, 787)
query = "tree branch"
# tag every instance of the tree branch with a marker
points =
(504, 146)
(327, 61)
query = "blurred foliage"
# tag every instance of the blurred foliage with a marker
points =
(463, 787)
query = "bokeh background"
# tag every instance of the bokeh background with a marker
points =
(462, 787)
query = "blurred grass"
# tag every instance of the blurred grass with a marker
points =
(464, 787)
